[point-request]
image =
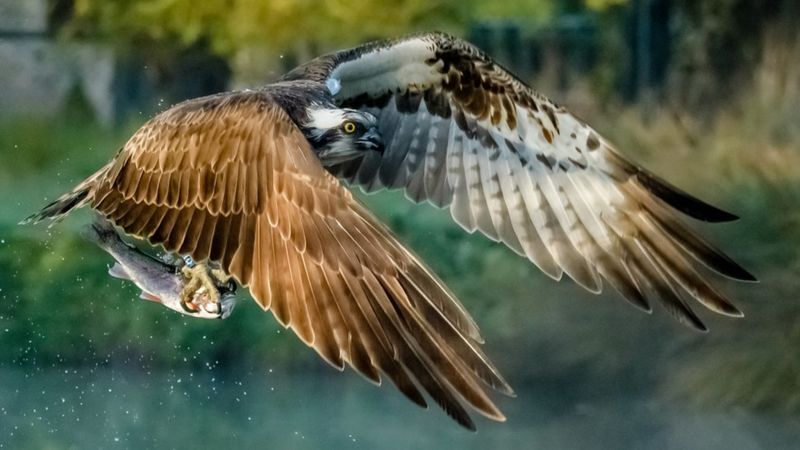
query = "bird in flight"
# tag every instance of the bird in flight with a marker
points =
(251, 184)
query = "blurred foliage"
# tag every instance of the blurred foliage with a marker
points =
(229, 26)
(602, 5)
(284, 24)
(746, 158)
(720, 46)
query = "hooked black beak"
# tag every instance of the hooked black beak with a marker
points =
(372, 140)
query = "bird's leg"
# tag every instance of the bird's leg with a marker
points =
(202, 287)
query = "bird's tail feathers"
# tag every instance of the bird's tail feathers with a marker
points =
(77, 197)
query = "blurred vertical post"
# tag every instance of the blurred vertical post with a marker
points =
(649, 41)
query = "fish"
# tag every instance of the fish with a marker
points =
(160, 281)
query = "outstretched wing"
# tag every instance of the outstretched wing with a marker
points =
(460, 131)
(230, 179)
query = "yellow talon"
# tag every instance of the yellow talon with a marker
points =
(200, 289)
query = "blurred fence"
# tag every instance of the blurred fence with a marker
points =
(569, 44)
(572, 45)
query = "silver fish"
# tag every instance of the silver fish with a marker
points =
(159, 281)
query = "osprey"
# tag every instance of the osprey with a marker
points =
(251, 183)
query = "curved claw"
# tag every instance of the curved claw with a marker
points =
(207, 292)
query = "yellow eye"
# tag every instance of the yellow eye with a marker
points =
(349, 127)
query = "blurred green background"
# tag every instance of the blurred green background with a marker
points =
(705, 94)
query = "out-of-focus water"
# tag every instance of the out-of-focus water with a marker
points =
(111, 407)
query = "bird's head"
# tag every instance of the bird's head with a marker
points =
(339, 135)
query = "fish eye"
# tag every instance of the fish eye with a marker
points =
(349, 127)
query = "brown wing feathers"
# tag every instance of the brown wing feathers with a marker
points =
(231, 179)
